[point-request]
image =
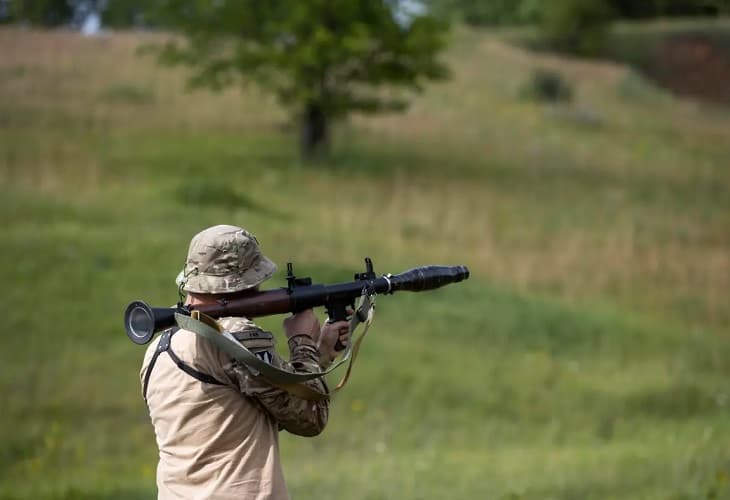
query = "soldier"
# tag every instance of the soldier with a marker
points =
(216, 424)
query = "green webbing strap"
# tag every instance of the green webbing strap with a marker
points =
(290, 382)
(208, 328)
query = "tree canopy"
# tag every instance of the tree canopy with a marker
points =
(323, 59)
(510, 12)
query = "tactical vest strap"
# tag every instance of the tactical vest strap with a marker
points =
(165, 346)
(203, 377)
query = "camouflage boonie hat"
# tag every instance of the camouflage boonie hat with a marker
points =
(224, 259)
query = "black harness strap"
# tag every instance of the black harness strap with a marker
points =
(203, 377)
(164, 346)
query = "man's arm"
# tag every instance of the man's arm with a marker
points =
(296, 415)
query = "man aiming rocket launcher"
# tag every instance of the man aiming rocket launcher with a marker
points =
(142, 321)
(217, 390)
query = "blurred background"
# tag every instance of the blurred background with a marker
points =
(575, 154)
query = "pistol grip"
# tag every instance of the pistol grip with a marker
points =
(338, 312)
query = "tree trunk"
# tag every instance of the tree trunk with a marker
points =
(314, 132)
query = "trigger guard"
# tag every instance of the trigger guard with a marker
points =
(332, 315)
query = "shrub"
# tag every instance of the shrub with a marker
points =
(546, 85)
(127, 93)
(205, 192)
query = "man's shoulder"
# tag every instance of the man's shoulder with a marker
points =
(237, 324)
(243, 327)
(152, 346)
(247, 332)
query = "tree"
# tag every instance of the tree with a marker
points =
(491, 12)
(517, 12)
(577, 26)
(41, 12)
(323, 59)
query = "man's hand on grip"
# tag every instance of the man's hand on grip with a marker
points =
(302, 323)
(333, 340)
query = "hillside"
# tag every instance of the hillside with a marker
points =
(587, 357)
(688, 57)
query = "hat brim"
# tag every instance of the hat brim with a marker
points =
(261, 270)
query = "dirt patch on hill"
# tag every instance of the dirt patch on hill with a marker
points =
(693, 65)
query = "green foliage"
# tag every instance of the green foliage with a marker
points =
(547, 85)
(515, 12)
(323, 58)
(577, 26)
(128, 93)
(632, 9)
(200, 191)
(41, 12)
(689, 7)
(125, 13)
(490, 13)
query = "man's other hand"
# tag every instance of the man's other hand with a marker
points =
(331, 333)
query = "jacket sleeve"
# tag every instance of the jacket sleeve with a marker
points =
(294, 414)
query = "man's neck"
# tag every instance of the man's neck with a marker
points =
(200, 300)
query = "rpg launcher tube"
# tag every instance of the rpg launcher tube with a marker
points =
(142, 321)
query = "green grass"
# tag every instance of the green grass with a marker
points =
(588, 356)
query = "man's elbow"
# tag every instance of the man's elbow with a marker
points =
(309, 426)
(309, 431)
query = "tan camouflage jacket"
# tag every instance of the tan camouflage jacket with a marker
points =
(221, 441)
(298, 416)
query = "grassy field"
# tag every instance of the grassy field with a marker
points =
(587, 357)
